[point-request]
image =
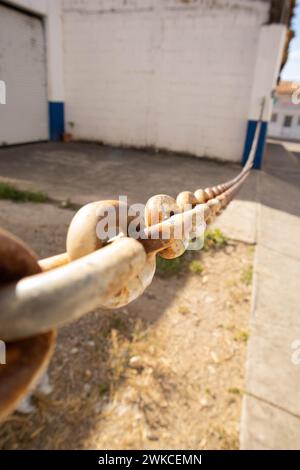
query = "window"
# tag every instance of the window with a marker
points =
(287, 121)
(274, 117)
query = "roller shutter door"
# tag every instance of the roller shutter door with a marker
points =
(24, 117)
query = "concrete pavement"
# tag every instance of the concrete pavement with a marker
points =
(271, 407)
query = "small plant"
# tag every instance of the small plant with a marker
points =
(209, 392)
(169, 267)
(196, 267)
(103, 389)
(235, 391)
(229, 440)
(229, 327)
(119, 355)
(183, 309)
(241, 336)
(214, 239)
(247, 275)
(8, 191)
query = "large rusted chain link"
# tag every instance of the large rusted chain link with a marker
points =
(97, 272)
(26, 360)
(38, 303)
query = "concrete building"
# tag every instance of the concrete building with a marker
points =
(285, 119)
(182, 75)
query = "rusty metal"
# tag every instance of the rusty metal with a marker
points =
(16, 259)
(135, 287)
(82, 237)
(53, 262)
(38, 303)
(26, 360)
(200, 196)
(159, 209)
(180, 228)
(185, 199)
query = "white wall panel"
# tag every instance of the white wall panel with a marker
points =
(24, 117)
(163, 73)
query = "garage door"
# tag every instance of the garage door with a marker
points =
(24, 117)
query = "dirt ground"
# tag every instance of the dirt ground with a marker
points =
(165, 372)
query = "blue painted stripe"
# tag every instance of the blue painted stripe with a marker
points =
(56, 120)
(251, 127)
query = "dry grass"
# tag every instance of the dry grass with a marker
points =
(165, 372)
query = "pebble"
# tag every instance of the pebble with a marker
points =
(152, 437)
(136, 362)
(203, 443)
(214, 357)
(204, 401)
(98, 407)
(211, 370)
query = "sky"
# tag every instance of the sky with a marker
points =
(291, 69)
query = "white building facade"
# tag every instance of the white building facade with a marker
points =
(285, 119)
(186, 76)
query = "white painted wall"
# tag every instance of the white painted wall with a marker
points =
(163, 73)
(268, 59)
(172, 74)
(55, 59)
(38, 7)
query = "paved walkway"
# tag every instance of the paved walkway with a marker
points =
(271, 408)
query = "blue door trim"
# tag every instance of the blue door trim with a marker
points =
(56, 120)
(251, 127)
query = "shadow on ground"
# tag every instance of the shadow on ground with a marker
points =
(280, 177)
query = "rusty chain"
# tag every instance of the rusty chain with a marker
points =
(36, 297)
(96, 273)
